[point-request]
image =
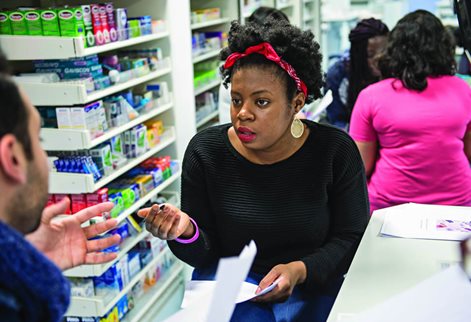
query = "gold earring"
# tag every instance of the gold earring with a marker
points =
(297, 128)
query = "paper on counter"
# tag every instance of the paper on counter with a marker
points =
(427, 222)
(196, 290)
(218, 302)
(445, 296)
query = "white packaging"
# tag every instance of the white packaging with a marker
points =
(63, 118)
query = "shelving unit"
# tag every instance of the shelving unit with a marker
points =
(169, 284)
(19, 47)
(208, 55)
(98, 269)
(44, 94)
(97, 306)
(207, 119)
(71, 140)
(63, 182)
(229, 11)
(210, 23)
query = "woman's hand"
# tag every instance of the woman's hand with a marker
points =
(288, 276)
(167, 222)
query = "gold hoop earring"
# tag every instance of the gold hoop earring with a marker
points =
(297, 128)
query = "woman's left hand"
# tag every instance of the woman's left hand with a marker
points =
(288, 276)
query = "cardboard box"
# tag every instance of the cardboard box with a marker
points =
(33, 22)
(18, 23)
(50, 22)
(5, 25)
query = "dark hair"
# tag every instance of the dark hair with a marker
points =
(296, 47)
(419, 47)
(15, 116)
(260, 16)
(360, 75)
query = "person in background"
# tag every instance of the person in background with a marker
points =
(295, 187)
(413, 128)
(464, 65)
(353, 72)
(36, 246)
(258, 17)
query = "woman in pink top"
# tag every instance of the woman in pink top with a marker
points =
(413, 129)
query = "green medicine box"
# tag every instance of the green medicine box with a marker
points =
(50, 22)
(18, 23)
(33, 22)
(71, 22)
(5, 26)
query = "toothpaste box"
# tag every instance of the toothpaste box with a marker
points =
(50, 22)
(122, 23)
(33, 22)
(5, 25)
(18, 23)
(104, 24)
(88, 26)
(97, 25)
(97, 197)
(111, 22)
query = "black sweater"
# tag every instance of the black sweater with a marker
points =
(311, 207)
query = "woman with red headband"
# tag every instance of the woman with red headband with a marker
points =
(296, 187)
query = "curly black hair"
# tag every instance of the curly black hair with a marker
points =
(296, 47)
(418, 47)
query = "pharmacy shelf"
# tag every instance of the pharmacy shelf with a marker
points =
(56, 94)
(62, 182)
(99, 269)
(283, 6)
(97, 306)
(202, 89)
(207, 119)
(209, 23)
(19, 47)
(147, 301)
(72, 140)
(141, 202)
(211, 54)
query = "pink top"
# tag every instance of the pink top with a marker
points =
(420, 138)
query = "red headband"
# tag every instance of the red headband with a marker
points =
(267, 50)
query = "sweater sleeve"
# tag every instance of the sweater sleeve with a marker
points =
(195, 202)
(349, 214)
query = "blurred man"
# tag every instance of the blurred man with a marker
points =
(35, 247)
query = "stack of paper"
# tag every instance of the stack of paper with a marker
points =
(427, 221)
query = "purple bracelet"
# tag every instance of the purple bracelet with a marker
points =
(192, 239)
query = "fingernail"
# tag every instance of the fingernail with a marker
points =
(258, 290)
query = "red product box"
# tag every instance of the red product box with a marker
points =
(104, 23)
(111, 22)
(97, 197)
(97, 25)
(79, 202)
(58, 197)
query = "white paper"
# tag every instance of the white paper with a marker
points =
(427, 222)
(445, 296)
(196, 290)
(217, 303)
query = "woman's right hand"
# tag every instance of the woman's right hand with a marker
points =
(167, 222)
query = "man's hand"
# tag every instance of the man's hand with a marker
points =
(66, 243)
